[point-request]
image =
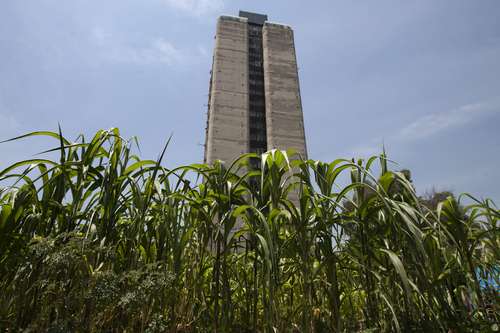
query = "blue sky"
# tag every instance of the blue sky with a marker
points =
(422, 77)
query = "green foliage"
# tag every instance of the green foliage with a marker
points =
(100, 240)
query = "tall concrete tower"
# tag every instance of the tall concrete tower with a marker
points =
(254, 97)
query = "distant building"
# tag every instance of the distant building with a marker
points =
(254, 96)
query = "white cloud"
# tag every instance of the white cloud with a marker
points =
(159, 51)
(100, 36)
(196, 7)
(437, 122)
(165, 51)
(427, 126)
(156, 51)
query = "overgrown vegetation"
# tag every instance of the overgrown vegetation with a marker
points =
(100, 240)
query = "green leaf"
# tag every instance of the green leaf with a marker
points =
(398, 265)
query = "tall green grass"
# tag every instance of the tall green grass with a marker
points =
(100, 240)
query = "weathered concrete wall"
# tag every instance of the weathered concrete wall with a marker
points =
(227, 136)
(284, 119)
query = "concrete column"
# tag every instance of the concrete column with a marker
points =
(227, 136)
(284, 119)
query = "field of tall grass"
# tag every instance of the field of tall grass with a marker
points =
(101, 240)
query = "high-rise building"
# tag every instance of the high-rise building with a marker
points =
(254, 97)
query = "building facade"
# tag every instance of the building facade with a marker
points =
(254, 96)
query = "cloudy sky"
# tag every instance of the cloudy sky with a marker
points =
(421, 77)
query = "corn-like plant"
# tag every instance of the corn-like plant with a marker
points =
(98, 239)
